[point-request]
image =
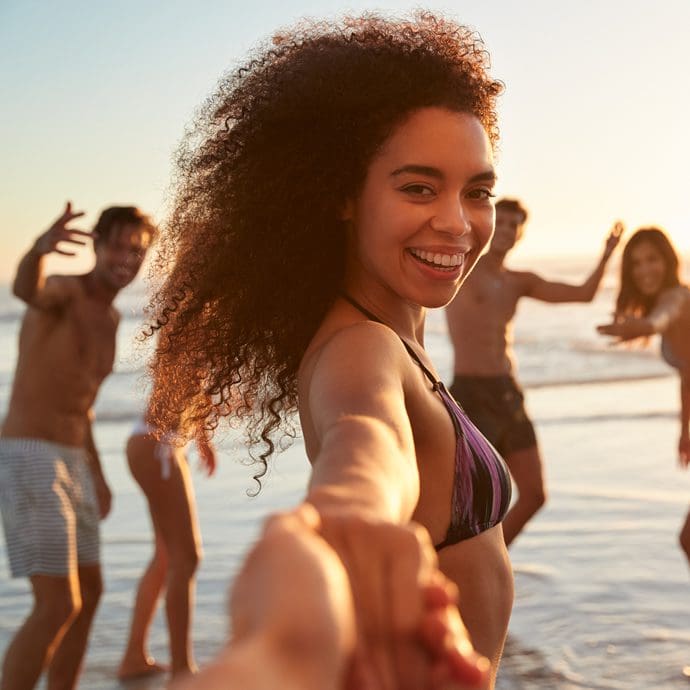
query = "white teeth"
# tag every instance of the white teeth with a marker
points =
(438, 259)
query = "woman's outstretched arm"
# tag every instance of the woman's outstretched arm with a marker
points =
(361, 444)
(344, 592)
(665, 312)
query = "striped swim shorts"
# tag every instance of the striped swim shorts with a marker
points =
(49, 507)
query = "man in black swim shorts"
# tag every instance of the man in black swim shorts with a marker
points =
(480, 325)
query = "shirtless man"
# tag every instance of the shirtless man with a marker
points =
(480, 325)
(52, 488)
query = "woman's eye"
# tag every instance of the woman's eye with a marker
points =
(418, 190)
(481, 194)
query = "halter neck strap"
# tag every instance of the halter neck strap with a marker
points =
(372, 317)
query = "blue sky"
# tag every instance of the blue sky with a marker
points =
(594, 120)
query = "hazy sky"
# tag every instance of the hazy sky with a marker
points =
(94, 97)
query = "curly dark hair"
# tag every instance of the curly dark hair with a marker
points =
(253, 253)
(630, 301)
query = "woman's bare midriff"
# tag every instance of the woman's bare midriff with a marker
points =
(481, 569)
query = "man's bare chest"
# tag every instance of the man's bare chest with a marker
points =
(496, 296)
(93, 331)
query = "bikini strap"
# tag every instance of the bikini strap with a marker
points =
(372, 317)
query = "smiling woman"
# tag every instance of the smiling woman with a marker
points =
(424, 213)
(336, 187)
(653, 300)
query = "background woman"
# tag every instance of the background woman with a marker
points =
(652, 300)
(162, 471)
(337, 186)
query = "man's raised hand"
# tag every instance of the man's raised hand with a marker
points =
(59, 232)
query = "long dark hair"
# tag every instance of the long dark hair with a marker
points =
(253, 253)
(630, 301)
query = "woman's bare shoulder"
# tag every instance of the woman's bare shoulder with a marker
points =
(353, 349)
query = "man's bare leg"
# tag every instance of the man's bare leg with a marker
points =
(527, 470)
(66, 664)
(56, 605)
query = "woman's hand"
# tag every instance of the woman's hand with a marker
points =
(626, 329)
(339, 603)
(292, 593)
(409, 631)
(292, 616)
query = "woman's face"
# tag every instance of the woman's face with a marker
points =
(648, 268)
(425, 210)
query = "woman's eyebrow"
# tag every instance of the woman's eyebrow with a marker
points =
(486, 176)
(430, 171)
(426, 170)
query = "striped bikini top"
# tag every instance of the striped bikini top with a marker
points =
(482, 487)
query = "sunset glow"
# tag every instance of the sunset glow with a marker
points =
(593, 120)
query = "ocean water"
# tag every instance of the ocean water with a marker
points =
(602, 589)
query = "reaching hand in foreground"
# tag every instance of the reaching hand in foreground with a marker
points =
(409, 631)
(382, 618)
